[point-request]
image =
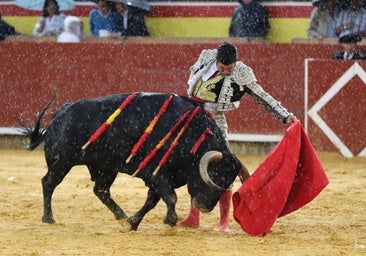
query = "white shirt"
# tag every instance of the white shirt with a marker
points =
(67, 37)
(209, 72)
(53, 26)
(347, 56)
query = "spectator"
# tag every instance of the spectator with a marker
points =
(103, 19)
(320, 18)
(52, 21)
(73, 31)
(250, 19)
(219, 80)
(6, 29)
(132, 20)
(357, 6)
(350, 19)
(350, 48)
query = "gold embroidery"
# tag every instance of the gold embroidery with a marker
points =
(203, 90)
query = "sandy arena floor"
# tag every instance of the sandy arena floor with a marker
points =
(332, 224)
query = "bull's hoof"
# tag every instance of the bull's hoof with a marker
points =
(168, 230)
(48, 219)
(126, 226)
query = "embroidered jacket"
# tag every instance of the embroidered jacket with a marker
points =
(241, 80)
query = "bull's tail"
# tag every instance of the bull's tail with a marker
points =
(37, 134)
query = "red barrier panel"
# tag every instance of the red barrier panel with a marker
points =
(337, 106)
(28, 71)
(183, 9)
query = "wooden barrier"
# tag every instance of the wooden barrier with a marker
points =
(306, 40)
(320, 41)
(336, 106)
(92, 69)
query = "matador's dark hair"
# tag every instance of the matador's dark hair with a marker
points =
(226, 54)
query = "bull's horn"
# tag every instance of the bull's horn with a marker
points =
(205, 160)
(243, 173)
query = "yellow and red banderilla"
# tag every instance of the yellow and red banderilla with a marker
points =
(176, 140)
(109, 121)
(160, 144)
(149, 129)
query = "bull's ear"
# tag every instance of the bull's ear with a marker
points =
(229, 167)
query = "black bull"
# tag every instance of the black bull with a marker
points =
(204, 163)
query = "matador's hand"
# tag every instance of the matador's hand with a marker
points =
(291, 119)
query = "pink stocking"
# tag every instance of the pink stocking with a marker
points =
(193, 219)
(225, 201)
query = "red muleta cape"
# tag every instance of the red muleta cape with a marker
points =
(290, 177)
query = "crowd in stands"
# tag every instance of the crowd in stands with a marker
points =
(117, 19)
(337, 18)
(112, 18)
(108, 18)
(344, 20)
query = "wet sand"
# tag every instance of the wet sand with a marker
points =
(332, 224)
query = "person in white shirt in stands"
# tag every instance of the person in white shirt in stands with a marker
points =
(52, 21)
(73, 30)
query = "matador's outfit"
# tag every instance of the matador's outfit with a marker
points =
(222, 93)
(219, 94)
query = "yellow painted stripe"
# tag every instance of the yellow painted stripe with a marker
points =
(189, 27)
(283, 30)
